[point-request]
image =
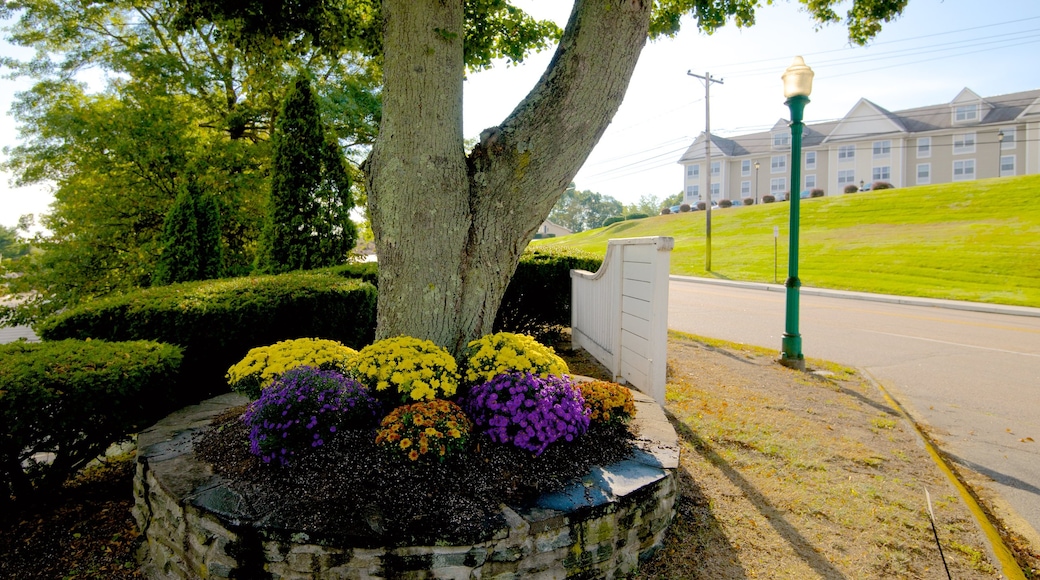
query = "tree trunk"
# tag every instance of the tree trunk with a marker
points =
(450, 230)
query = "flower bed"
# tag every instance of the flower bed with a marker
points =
(450, 447)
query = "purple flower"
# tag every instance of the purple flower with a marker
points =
(537, 411)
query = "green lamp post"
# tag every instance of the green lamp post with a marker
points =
(797, 86)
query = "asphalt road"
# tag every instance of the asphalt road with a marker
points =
(972, 377)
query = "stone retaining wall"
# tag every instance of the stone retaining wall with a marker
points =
(194, 526)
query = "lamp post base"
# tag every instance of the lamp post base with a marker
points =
(791, 352)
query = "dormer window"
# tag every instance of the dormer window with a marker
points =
(966, 113)
(781, 140)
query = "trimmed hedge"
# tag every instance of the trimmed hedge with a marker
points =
(666, 211)
(816, 193)
(218, 321)
(725, 203)
(748, 201)
(850, 188)
(538, 299)
(877, 185)
(612, 220)
(636, 216)
(71, 399)
(684, 207)
(768, 198)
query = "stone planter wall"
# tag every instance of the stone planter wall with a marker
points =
(193, 526)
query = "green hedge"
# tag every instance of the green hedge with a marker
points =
(73, 399)
(538, 299)
(218, 321)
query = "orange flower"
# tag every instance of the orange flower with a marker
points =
(406, 443)
(413, 455)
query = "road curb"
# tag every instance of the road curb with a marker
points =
(998, 549)
(870, 297)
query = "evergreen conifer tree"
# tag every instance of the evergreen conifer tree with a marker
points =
(307, 225)
(191, 239)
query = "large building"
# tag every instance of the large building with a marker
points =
(971, 137)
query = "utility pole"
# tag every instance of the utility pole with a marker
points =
(707, 80)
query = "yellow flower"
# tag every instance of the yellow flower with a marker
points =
(406, 443)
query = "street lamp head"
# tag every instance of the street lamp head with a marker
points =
(756, 166)
(1000, 136)
(797, 79)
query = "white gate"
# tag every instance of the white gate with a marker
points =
(620, 313)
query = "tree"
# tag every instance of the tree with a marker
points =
(465, 218)
(648, 204)
(671, 200)
(190, 242)
(308, 223)
(182, 99)
(11, 244)
(582, 210)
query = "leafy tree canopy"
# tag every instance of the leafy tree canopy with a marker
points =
(583, 210)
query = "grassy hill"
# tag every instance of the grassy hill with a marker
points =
(976, 240)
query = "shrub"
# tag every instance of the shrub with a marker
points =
(504, 352)
(701, 205)
(636, 216)
(881, 185)
(538, 299)
(425, 430)
(608, 403)
(405, 369)
(725, 203)
(748, 201)
(816, 193)
(218, 321)
(666, 211)
(613, 220)
(304, 407)
(684, 207)
(367, 271)
(527, 411)
(73, 399)
(768, 199)
(851, 188)
(264, 363)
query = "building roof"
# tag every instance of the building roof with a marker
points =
(993, 110)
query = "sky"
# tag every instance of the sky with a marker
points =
(927, 56)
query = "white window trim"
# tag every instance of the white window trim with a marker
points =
(774, 167)
(1009, 138)
(782, 140)
(693, 170)
(928, 151)
(809, 165)
(716, 168)
(886, 150)
(745, 167)
(807, 178)
(849, 152)
(964, 148)
(964, 175)
(774, 183)
(849, 176)
(927, 179)
(745, 188)
(975, 113)
(1014, 163)
(877, 173)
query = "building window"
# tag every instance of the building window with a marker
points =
(810, 181)
(716, 168)
(1007, 165)
(882, 148)
(745, 167)
(846, 176)
(846, 153)
(777, 186)
(778, 164)
(693, 192)
(924, 173)
(965, 113)
(882, 173)
(924, 147)
(963, 170)
(781, 140)
(693, 170)
(715, 191)
(810, 160)
(964, 143)
(1009, 138)
(745, 188)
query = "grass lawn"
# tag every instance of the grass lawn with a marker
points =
(977, 241)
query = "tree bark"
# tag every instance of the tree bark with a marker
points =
(450, 229)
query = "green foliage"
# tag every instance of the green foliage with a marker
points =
(218, 321)
(671, 200)
(907, 242)
(684, 208)
(725, 203)
(190, 243)
(647, 205)
(11, 244)
(308, 223)
(583, 210)
(636, 216)
(613, 220)
(881, 185)
(73, 399)
(816, 193)
(538, 299)
(851, 188)
(768, 198)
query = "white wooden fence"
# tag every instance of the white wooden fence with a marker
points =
(620, 313)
